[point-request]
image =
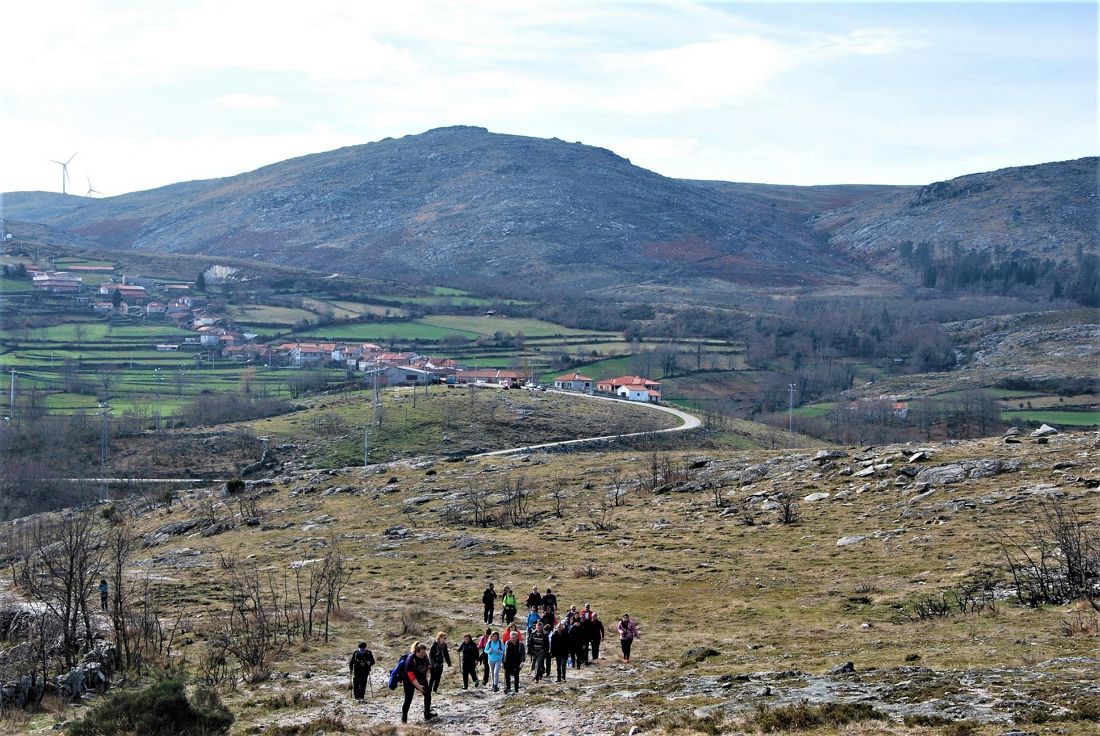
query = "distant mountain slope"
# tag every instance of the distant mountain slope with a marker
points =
(465, 203)
(463, 200)
(1046, 211)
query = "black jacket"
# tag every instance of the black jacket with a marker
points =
(514, 655)
(489, 597)
(416, 670)
(438, 654)
(469, 653)
(550, 600)
(534, 600)
(361, 662)
(560, 645)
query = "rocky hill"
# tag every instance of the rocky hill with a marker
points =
(775, 591)
(1047, 211)
(465, 203)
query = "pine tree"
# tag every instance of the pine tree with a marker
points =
(200, 282)
(116, 299)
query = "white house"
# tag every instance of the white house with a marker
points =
(407, 375)
(638, 392)
(575, 382)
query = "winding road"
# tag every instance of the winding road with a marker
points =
(690, 421)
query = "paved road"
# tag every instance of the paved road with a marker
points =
(690, 421)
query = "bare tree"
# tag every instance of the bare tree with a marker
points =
(59, 571)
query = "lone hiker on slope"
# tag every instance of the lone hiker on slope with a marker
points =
(489, 599)
(362, 659)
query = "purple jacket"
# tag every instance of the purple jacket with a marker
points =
(628, 630)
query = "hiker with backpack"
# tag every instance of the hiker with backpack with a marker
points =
(469, 655)
(489, 599)
(437, 655)
(508, 600)
(534, 599)
(413, 671)
(559, 650)
(362, 660)
(578, 635)
(549, 600)
(494, 652)
(628, 632)
(482, 657)
(514, 657)
(596, 633)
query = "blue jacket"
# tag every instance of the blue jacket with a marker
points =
(495, 651)
(532, 619)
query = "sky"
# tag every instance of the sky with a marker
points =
(151, 92)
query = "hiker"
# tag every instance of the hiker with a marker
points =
(559, 650)
(437, 655)
(494, 651)
(628, 632)
(362, 659)
(596, 633)
(512, 629)
(489, 599)
(417, 669)
(514, 657)
(550, 600)
(548, 619)
(508, 600)
(578, 637)
(534, 598)
(537, 645)
(483, 658)
(570, 615)
(586, 614)
(103, 594)
(469, 655)
(532, 619)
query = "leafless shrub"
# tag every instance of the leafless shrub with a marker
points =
(558, 495)
(1053, 558)
(1081, 623)
(788, 511)
(587, 570)
(517, 500)
(602, 516)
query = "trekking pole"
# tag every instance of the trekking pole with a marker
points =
(370, 686)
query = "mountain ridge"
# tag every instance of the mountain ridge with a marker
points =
(464, 201)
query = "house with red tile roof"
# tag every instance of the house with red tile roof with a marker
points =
(575, 382)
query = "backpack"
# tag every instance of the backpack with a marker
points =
(397, 674)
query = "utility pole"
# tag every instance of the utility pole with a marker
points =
(103, 455)
(11, 406)
(791, 388)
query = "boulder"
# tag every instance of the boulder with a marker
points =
(819, 496)
(1012, 432)
(942, 475)
(824, 456)
(1044, 431)
(753, 473)
(854, 539)
(843, 669)
(170, 530)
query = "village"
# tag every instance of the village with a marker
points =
(216, 336)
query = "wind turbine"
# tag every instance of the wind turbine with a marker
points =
(64, 171)
(90, 191)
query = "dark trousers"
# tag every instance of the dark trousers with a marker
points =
(410, 692)
(539, 665)
(595, 649)
(489, 614)
(103, 601)
(469, 670)
(485, 663)
(359, 684)
(626, 643)
(508, 614)
(577, 655)
(511, 675)
(434, 676)
(561, 661)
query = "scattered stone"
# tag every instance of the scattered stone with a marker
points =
(1044, 431)
(753, 473)
(1012, 432)
(824, 456)
(843, 669)
(916, 457)
(813, 497)
(698, 654)
(854, 539)
(870, 470)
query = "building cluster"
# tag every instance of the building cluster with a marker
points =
(173, 303)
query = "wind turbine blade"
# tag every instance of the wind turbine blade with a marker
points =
(71, 158)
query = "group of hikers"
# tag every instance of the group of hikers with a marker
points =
(573, 639)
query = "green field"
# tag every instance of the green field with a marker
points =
(12, 286)
(815, 410)
(382, 331)
(492, 325)
(1055, 418)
